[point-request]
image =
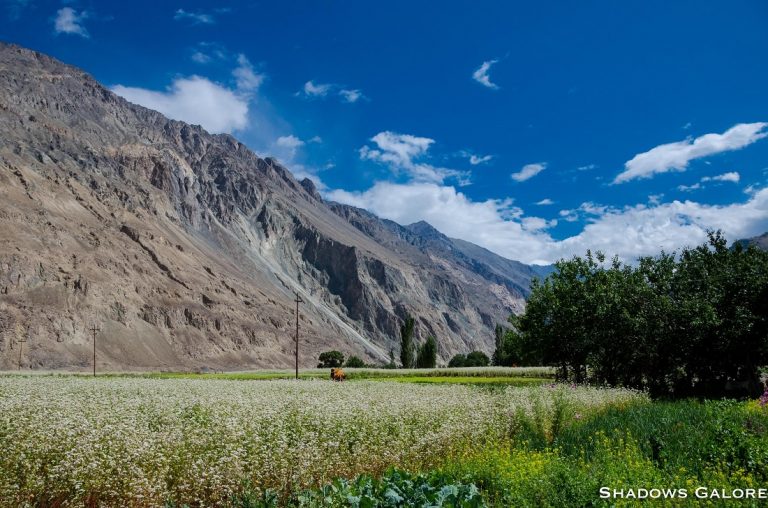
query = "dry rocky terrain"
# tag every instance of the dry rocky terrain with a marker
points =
(186, 248)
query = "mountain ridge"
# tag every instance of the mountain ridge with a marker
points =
(188, 248)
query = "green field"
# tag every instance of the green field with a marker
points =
(364, 373)
(401, 440)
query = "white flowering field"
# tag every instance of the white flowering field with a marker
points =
(74, 441)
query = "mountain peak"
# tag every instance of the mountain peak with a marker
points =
(425, 229)
(188, 248)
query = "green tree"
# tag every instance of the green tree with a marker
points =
(693, 324)
(330, 359)
(354, 362)
(477, 359)
(498, 352)
(391, 364)
(458, 360)
(407, 358)
(427, 356)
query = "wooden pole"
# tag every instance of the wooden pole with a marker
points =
(21, 348)
(95, 329)
(298, 301)
(21, 338)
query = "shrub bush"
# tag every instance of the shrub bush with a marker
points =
(330, 359)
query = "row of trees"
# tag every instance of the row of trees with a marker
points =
(335, 359)
(413, 356)
(473, 359)
(423, 356)
(693, 324)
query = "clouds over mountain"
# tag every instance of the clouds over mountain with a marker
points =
(199, 100)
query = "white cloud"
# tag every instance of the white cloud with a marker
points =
(401, 151)
(481, 74)
(285, 149)
(200, 57)
(68, 21)
(320, 90)
(206, 52)
(497, 225)
(197, 18)
(528, 171)
(248, 81)
(478, 159)
(732, 176)
(194, 100)
(473, 158)
(312, 89)
(677, 155)
(198, 100)
(289, 141)
(545, 202)
(689, 188)
(350, 96)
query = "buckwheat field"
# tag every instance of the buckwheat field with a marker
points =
(74, 441)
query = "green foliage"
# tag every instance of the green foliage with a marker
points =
(685, 434)
(407, 356)
(427, 356)
(674, 445)
(354, 362)
(477, 359)
(691, 325)
(330, 359)
(501, 381)
(473, 359)
(511, 347)
(393, 490)
(391, 364)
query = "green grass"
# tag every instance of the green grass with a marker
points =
(469, 380)
(674, 445)
(516, 376)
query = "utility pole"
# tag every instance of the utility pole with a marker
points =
(298, 301)
(21, 341)
(94, 329)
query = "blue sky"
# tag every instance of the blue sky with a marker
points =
(535, 129)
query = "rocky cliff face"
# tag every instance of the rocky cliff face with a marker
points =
(187, 248)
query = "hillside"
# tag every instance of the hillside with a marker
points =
(186, 248)
(761, 242)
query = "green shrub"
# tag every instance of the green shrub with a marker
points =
(477, 359)
(458, 360)
(394, 489)
(354, 362)
(330, 359)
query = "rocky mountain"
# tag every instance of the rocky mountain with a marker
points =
(761, 242)
(187, 249)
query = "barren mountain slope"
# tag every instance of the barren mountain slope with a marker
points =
(186, 248)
